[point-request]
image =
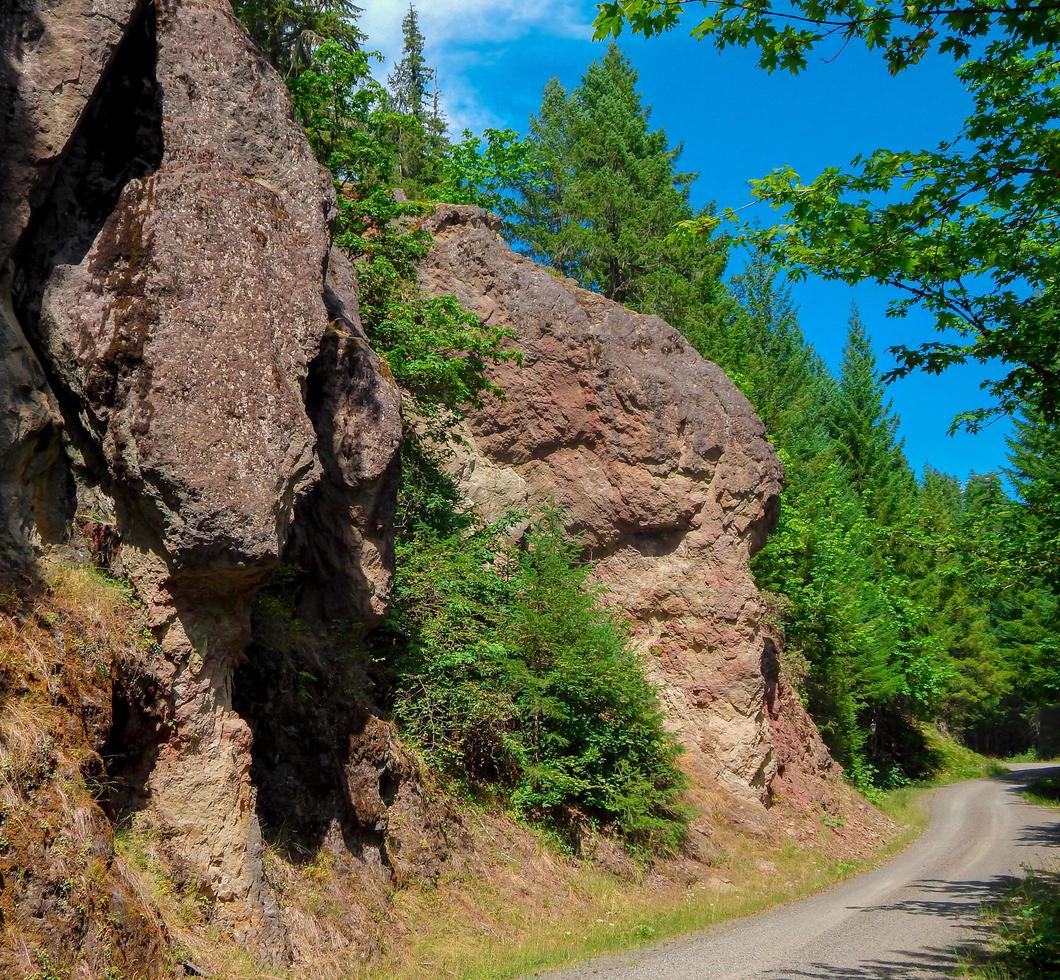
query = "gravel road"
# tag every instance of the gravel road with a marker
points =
(908, 918)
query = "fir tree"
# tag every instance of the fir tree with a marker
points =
(1034, 468)
(419, 127)
(866, 431)
(610, 198)
(410, 81)
(287, 31)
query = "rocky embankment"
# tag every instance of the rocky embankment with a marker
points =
(662, 467)
(187, 398)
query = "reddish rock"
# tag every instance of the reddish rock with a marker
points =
(657, 460)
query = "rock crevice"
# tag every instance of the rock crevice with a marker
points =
(175, 338)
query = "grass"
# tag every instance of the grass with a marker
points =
(1043, 792)
(478, 933)
(1027, 923)
(494, 938)
(952, 762)
(527, 908)
(519, 907)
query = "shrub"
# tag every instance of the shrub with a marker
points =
(513, 680)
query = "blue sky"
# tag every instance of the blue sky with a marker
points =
(736, 123)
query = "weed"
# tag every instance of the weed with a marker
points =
(1043, 792)
(1027, 923)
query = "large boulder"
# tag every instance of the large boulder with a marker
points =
(170, 303)
(655, 458)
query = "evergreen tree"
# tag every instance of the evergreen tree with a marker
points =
(780, 372)
(411, 78)
(542, 230)
(287, 31)
(420, 128)
(960, 612)
(1034, 457)
(866, 431)
(609, 198)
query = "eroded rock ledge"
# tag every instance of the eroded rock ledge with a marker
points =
(658, 461)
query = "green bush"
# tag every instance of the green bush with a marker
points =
(512, 680)
(1027, 928)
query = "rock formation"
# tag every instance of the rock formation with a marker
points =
(657, 460)
(185, 390)
(169, 306)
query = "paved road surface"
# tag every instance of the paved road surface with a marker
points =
(906, 919)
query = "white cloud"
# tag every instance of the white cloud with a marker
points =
(452, 27)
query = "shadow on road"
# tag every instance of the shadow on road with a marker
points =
(920, 962)
(955, 898)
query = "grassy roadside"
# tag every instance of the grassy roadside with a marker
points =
(954, 763)
(482, 936)
(520, 907)
(1043, 792)
(1026, 924)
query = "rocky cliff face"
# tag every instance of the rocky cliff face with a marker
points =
(186, 393)
(657, 460)
(183, 366)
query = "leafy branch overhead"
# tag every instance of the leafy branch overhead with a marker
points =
(786, 35)
(966, 231)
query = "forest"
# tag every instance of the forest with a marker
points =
(905, 598)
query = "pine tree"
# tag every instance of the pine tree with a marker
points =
(287, 31)
(411, 78)
(610, 198)
(866, 431)
(419, 127)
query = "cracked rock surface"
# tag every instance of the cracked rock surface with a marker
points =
(658, 461)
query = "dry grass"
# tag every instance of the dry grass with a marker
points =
(64, 906)
(503, 926)
(507, 904)
(515, 907)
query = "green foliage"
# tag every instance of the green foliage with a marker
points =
(412, 77)
(485, 170)
(1034, 454)
(513, 680)
(1043, 792)
(907, 601)
(968, 230)
(1028, 925)
(438, 352)
(604, 206)
(785, 36)
(865, 431)
(418, 130)
(287, 31)
(853, 550)
(508, 674)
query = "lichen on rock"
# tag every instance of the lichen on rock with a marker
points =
(166, 308)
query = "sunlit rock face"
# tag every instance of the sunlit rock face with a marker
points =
(655, 458)
(181, 351)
